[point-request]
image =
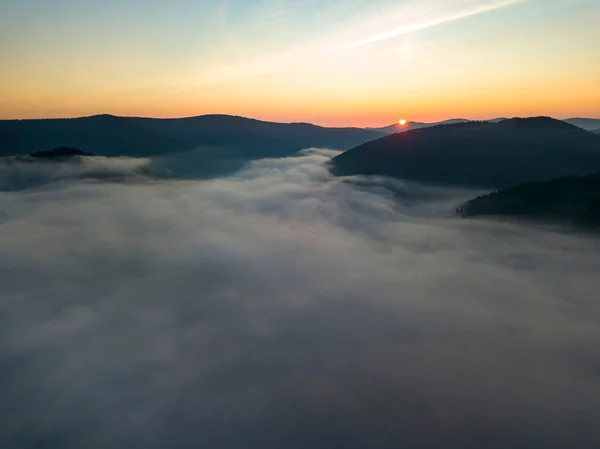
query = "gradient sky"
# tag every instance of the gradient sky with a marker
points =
(332, 62)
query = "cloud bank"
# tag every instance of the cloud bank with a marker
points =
(282, 308)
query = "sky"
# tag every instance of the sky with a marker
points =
(330, 62)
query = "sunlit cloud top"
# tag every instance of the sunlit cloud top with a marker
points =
(362, 62)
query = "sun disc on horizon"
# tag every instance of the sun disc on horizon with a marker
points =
(402, 122)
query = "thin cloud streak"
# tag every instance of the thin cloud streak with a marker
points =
(407, 29)
(319, 49)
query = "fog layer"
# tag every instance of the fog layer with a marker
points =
(284, 308)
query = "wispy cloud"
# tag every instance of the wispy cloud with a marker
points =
(413, 27)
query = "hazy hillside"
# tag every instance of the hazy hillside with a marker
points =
(109, 135)
(478, 153)
(574, 199)
(588, 124)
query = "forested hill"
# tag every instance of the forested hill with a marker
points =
(573, 199)
(483, 154)
(108, 135)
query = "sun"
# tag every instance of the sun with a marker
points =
(402, 122)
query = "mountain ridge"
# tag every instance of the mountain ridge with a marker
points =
(396, 127)
(589, 124)
(191, 117)
(479, 154)
(109, 135)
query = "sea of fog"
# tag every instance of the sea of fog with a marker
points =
(282, 308)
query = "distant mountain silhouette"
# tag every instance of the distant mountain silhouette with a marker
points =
(597, 131)
(221, 136)
(59, 152)
(573, 200)
(478, 153)
(397, 128)
(588, 124)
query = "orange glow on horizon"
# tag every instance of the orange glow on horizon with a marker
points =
(373, 108)
(402, 122)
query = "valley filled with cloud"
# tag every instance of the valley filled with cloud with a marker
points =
(282, 307)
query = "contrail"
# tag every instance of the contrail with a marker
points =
(431, 23)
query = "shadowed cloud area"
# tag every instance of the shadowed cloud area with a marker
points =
(282, 307)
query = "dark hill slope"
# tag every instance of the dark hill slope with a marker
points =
(104, 135)
(108, 135)
(478, 153)
(59, 152)
(573, 199)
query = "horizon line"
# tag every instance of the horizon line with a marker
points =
(374, 128)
